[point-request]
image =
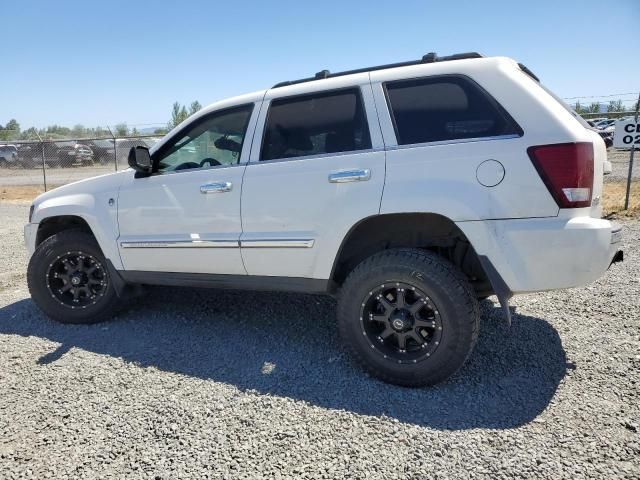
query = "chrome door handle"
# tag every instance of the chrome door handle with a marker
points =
(216, 187)
(350, 176)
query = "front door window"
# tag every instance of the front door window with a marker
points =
(213, 140)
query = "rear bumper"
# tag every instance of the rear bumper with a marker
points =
(538, 254)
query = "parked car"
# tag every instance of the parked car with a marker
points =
(8, 156)
(151, 141)
(606, 135)
(30, 154)
(70, 153)
(605, 123)
(102, 150)
(409, 191)
(595, 120)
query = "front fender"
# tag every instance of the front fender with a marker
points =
(98, 209)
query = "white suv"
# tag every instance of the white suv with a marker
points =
(408, 190)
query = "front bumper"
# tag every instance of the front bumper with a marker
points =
(30, 232)
(537, 254)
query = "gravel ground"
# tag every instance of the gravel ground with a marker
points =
(214, 384)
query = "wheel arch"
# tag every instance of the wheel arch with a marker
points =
(49, 226)
(430, 231)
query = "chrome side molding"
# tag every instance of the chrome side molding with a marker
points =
(257, 243)
(278, 243)
(183, 244)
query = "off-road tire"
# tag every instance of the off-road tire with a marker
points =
(73, 240)
(444, 284)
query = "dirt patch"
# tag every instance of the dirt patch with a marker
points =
(22, 192)
(613, 196)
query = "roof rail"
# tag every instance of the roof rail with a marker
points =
(428, 58)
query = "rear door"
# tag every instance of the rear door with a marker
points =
(317, 167)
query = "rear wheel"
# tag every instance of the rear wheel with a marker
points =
(69, 280)
(408, 317)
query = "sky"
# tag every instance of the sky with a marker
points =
(103, 63)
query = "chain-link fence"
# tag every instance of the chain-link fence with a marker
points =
(51, 163)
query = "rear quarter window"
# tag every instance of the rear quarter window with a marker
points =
(445, 108)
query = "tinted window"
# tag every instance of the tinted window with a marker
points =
(445, 108)
(315, 124)
(213, 140)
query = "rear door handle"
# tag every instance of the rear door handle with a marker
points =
(216, 187)
(345, 176)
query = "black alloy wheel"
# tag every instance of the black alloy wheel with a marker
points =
(76, 279)
(401, 322)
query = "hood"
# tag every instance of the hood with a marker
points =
(109, 182)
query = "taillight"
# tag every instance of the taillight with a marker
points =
(567, 171)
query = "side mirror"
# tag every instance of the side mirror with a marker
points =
(140, 160)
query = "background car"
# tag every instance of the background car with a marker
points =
(102, 150)
(605, 123)
(30, 154)
(72, 153)
(8, 156)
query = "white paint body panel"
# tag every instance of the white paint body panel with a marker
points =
(170, 208)
(536, 254)
(89, 200)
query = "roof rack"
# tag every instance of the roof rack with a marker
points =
(428, 58)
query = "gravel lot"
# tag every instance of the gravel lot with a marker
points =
(212, 384)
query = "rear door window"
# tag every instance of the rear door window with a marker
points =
(316, 124)
(445, 108)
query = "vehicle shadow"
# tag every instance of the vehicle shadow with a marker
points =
(286, 345)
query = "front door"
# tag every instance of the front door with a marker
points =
(185, 217)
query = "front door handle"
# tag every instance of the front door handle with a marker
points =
(216, 187)
(345, 176)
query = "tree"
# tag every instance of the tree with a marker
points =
(10, 131)
(179, 113)
(615, 106)
(594, 108)
(195, 106)
(78, 131)
(29, 134)
(579, 108)
(13, 125)
(121, 130)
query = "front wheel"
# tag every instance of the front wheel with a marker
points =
(69, 280)
(408, 317)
